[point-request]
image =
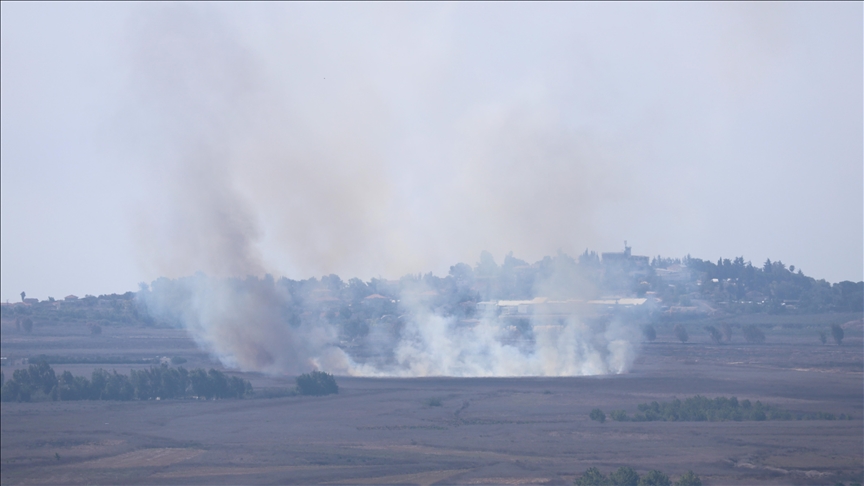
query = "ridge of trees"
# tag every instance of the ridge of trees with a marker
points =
(39, 381)
(702, 409)
(627, 476)
(735, 285)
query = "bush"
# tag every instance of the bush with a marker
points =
(177, 360)
(654, 478)
(689, 479)
(649, 333)
(837, 333)
(715, 334)
(680, 333)
(619, 415)
(753, 334)
(434, 402)
(316, 383)
(591, 477)
(624, 476)
(727, 331)
(597, 415)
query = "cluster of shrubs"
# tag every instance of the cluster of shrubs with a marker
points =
(39, 382)
(627, 476)
(317, 383)
(701, 409)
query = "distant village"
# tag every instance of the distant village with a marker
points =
(590, 285)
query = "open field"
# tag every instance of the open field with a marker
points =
(486, 431)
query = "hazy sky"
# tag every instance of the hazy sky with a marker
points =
(302, 139)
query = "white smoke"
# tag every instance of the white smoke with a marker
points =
(269, 157)
(243, 323)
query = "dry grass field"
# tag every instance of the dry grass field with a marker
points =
(485, 431)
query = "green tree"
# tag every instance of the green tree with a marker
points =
(624, 476)
(27, 325)
(41, 376)
(715, 335)
(727, 331)
(619, 416)
(649, 332)
(23, 296)
(689, 479)
(837, 333)
(592, 477)
(201, 385)
(823, 337)
(597, 415)
(753, 334)
(317, 383)
(680, 333)
(654, 478)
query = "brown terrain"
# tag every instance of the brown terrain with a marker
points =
(485, 431)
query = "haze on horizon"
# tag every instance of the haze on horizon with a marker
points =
(146, 140)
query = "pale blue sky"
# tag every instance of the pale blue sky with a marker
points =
(300, 139)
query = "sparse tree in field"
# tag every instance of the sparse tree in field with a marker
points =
(727, 331)
(654, 478)
(649, 333)
(753, 334)
(715, 334)
(27, 325)
(823, 337)
(689, 479)
(597, 415)
(624, 476)
(680, 333)
(592, 477)
(837, 333)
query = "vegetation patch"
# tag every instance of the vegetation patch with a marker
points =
(39, 382)
(702, 409)
(317, 383)
(627, 476)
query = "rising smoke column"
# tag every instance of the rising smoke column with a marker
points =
(241, 164)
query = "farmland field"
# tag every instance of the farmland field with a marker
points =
(446, 430)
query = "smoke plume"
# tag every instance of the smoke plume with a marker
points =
(299, 152)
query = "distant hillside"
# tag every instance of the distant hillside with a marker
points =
(727, 286)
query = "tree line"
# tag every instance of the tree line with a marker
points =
(39, 382)
(627, 476)
(702, 409)
(783, 289)
(735, 285)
